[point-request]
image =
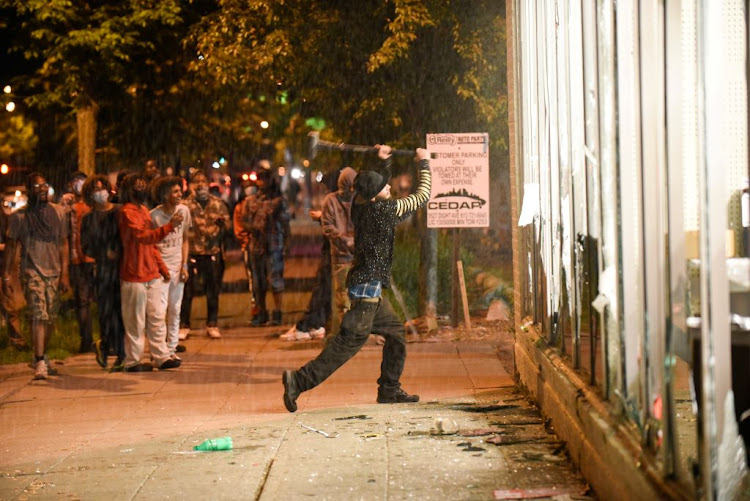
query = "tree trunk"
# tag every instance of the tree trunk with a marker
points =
(86, 127)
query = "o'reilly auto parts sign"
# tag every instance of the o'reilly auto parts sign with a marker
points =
(460, 180)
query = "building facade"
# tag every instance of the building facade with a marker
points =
(629, 193)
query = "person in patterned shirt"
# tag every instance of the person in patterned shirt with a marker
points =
(210, 217)
(267, 223)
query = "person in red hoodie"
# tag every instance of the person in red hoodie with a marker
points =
(142, 275)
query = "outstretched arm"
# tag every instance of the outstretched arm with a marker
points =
(420, 197)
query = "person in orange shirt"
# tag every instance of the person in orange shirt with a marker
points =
(81, 266)
(143, 274)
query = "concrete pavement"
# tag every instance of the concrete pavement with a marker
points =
(90, 434)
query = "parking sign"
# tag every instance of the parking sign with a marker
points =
(460, 169)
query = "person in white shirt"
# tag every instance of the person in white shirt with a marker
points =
(174, 252)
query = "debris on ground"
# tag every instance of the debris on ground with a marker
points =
(327, 435)
(539, 492)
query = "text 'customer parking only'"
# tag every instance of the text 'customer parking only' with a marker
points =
(460, 181)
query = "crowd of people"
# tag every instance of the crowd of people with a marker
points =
(140, 249)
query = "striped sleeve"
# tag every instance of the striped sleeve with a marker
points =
(420, 197)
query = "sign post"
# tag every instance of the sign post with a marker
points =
(460, 193)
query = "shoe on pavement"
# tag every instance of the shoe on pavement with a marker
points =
(259, 319)
(275, 317)
(170, 363)
(183, 333)
(291, 391)
(40, 371)
(213, 332)
(118, 366)
(143, 367)
(51, 371)
(174, 356)
(398, 396)
(318, 333)
(294, 335)
(101, 358)
(180, 348)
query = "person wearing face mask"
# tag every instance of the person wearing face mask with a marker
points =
(40, 229)
(81, 267)
(100, 239)
(205, 260)
(143, 274)
(312, 325)
(242, 234)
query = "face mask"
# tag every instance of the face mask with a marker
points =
(77, 185)
(140, 195)
(251, 190)
(201, 193)
(101, 196)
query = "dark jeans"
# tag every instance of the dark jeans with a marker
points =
(82, 281)
(364, 318)
(268, 273)
(111, 329)
(209, 269)
(319, 309)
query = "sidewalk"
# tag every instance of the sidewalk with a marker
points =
(89, 434)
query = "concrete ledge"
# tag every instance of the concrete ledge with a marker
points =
(608, 455)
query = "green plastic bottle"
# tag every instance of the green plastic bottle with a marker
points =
(215, 444)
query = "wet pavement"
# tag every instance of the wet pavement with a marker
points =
(90, 434)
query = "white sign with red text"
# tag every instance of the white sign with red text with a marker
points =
(460, 180)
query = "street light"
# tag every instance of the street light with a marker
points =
(264, 124)
(10, 106)
(7, 89)
(4, 169)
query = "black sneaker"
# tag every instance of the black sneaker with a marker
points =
(398, 396)
(259, 319)
(180, 348)
(118, 366)
(170, 363)
(144, 367)
(275, 317)
(291, 391)
(101, 357)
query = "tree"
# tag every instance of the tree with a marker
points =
(83, 53)
(17, 138)
(374, 70)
